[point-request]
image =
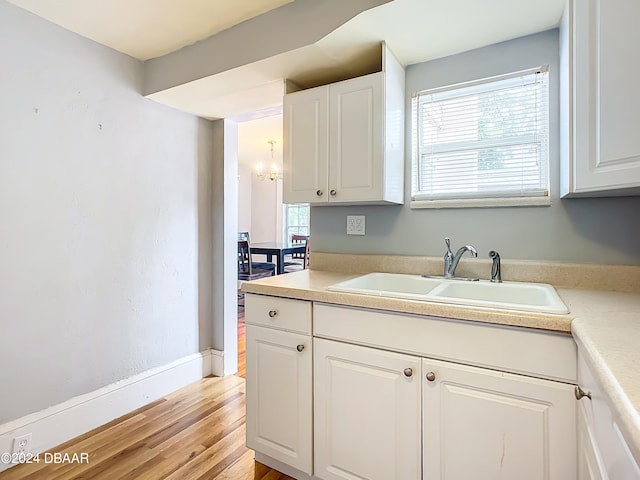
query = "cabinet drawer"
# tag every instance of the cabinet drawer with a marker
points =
(281, 313)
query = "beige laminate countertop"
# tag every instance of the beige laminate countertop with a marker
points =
(605, 325)
(312, 285)
(610, 343)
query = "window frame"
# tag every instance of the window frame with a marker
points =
(541, 197)
(287, 227)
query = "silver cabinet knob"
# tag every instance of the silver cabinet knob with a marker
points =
(580, 394)
(431, 376)
(300, 348)
(333, 193)
(319, 193)
(408, 372)
(273, 313)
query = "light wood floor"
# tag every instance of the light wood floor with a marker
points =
(196, 433)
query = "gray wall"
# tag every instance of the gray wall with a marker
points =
(272, 33)
(105, 211)
(599, 230)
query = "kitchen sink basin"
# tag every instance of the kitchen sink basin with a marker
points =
(537, 297)
(388, 285)
(530, 297)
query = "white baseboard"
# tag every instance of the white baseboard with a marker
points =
(60, 423)
(217, 363)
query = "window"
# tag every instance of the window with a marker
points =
(297, 219)
(482, 143)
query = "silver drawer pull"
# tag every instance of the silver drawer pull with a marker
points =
(333, 193)
(580, 393)
(408, 372)
(319, 193)
(431, 376)
(273, 313)
(300, 348)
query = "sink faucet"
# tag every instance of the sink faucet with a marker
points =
(451, 261)
(496, 273)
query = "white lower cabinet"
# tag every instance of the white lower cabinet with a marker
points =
(367, 413)
(279, 395)
(476, 422)
(279, 384)
(603, 453)
(487, 424)
(371, 403)
(590, 465)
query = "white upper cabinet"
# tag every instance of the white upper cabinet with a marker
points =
(600, 109)
(344, 142)
(306, 138)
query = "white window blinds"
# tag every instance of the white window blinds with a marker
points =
(482, 139)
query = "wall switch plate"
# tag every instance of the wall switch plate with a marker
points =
(355, 224)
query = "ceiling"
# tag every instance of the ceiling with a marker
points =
(415, 30)
(146, 29)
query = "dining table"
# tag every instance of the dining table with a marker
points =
(278, 250)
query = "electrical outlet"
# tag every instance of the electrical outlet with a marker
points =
(355, 225)
(22, 444)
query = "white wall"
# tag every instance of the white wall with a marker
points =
(106, 225)
(582, 230)
(244, 198)
(225, 242)
(266, 210)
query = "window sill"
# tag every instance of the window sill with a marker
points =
(483, 202)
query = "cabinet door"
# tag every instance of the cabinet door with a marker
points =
(306, 131)
(604, 36)
(605, 453)
(356, 153)
(367, 413)
(590, 465)
(279, 396)
(480, 423)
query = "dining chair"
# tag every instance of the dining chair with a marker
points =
(296, 258)
(301, 259)
(248, 270)
(261, 265)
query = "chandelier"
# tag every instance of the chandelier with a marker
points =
(273, 173)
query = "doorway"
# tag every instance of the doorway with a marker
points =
(259, 201)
